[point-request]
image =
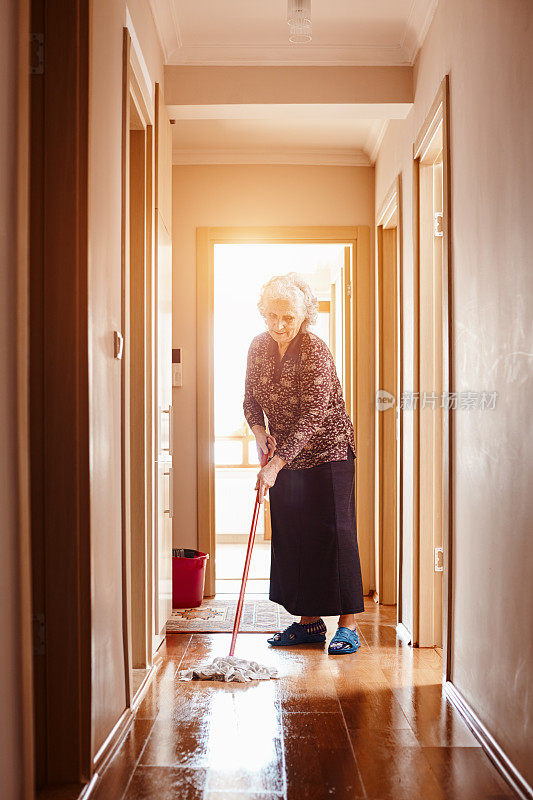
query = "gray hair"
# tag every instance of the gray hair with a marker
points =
(295, 290)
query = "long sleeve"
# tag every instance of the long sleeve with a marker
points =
(252, 410)
(315, 390)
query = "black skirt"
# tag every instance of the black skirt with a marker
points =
(315, 569)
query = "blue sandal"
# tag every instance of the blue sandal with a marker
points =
(346, 636)
(297, 634)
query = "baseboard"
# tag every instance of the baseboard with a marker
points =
(108, 750)
(87, 790)
(404, 634)
(143, 688)
(120, 731)
(489, 744)
(113, 741)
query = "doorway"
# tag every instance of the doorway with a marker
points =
(239, 272)
(139, 226)
(133, 347)
(144, 347)
(388, 533)
(433, 417)
(358, 338)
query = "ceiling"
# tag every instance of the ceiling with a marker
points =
(255, 32)
(349, 32)
(276, 141)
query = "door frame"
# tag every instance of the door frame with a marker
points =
(390, 209)
(162, 408)
(60, 464)
(22, 466)
(141, 168)
(423, 606)
(137, 482)
(362, 340)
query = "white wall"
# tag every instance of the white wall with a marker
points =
(486, 47)
(240, 195)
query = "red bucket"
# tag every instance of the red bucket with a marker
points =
(188, 578)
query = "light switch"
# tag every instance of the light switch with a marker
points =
(177, 367)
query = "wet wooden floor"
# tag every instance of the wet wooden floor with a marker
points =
(371, 725)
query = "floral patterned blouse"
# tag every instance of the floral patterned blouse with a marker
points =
(301, 397)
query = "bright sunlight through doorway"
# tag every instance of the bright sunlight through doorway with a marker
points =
(240, 271)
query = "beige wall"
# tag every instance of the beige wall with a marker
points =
(486, 48)
(240, 195)
(107, 21)
(217, 85)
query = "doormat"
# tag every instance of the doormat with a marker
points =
(216, 616)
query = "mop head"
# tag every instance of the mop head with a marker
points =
(228, 668)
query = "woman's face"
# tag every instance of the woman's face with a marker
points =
(283, 320)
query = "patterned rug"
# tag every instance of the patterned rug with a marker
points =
(216, 616)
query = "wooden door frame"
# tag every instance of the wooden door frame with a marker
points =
(438, 115)
(136, 526)
(23, 602)
(362, 384)
(391, 207)
(140, 211)
(60, 463)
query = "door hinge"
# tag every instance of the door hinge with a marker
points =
(39, 635)
(438, 224)
(439, 559)
(37, 53)
(349, 289)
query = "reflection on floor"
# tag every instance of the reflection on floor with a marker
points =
(229, 565)
(373, 725)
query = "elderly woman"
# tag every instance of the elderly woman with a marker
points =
(310, 475)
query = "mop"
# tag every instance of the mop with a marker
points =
(229, 668)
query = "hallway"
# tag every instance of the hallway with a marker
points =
(143, 144)
(374, 726)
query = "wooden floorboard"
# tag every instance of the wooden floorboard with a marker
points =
(372, 725)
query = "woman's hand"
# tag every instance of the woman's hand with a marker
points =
(265, 443)
(266, 477)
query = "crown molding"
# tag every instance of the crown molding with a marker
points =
(167, 26)
(417, 26)
(287, 55)
(338, 158)
(375, 138)
(140, 68)
(221, 54)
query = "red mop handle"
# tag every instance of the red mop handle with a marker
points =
(251, 539)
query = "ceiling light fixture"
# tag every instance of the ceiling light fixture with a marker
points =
(299, 21)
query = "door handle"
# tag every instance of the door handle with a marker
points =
(170, 412)
(170, 511)
(118, 340)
